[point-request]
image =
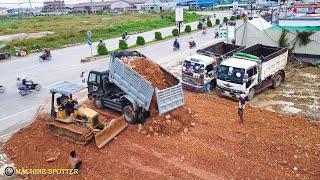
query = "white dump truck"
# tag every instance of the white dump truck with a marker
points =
(252, 70)
(201, 68)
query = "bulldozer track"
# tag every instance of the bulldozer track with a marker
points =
(72, 132)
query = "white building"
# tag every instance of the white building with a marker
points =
(156, 6)
(260, 31)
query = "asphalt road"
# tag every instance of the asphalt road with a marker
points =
(16, 110)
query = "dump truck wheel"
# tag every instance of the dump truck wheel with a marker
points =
(277, 80)
(130, 115)
(37, 87)
(98, 102)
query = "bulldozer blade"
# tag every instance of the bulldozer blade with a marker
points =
(110, 131)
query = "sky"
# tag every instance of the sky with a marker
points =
(34, 3)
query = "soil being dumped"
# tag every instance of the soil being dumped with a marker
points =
(174, 121)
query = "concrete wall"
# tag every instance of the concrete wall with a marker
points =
(271, 38)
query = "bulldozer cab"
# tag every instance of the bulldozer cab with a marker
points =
(65, 103)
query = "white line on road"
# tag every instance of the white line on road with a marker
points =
(28, 67)
(21, 112)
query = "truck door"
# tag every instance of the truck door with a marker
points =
(94, 83)
(252, 77)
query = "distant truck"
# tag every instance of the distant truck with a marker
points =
(125, 90)
(201, 67)
(252, 70)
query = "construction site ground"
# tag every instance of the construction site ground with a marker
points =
(213, 145)
(298, 95)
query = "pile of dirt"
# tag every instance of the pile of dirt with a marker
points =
(148, 69)
(267, 146)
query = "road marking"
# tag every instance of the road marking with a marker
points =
(49, 85)
(21, 112)
(28, 67)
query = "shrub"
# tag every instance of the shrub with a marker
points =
(123, 45)
(225, 19)
(175, 32)
(102, 50)
(232, 18)
(199, 25)
(209, 23)
(187, 29)
(158, 35)
(217, 21)
(140, 41)
(238, 16)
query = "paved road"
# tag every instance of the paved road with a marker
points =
(16, 110)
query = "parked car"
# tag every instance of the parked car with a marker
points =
(4, 56)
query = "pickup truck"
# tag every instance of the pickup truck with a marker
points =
(123, 89)
(201, 68)
(252, 70)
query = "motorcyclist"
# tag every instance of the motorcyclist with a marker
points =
(176, 44)
(125, 36)
(20, 84)
(204, 30)
(191, 42)
(214, 15)
(46, 54)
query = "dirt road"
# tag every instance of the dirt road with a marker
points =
(266, 146)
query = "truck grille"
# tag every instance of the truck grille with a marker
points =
(232, 91)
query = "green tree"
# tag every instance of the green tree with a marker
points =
(238, 16)
(187, 29)
(102, 49)
(175, 32)
(199, 25)
(209, 23)
(158, 35)
(123, 45)
(217, 21)
(140, 41)
(232, 18)
(225, 19)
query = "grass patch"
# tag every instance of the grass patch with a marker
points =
(71, 29)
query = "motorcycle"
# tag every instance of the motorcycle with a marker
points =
(175, 48)
(192, 44)
(2, 89)
(37, 48)
(30, 87)
(125, 37)
(45, 58)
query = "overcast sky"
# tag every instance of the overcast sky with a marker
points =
(35, 3)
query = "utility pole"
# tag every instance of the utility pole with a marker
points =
(91, 6)
(30, 4)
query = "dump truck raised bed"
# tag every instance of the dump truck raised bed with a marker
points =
(123, 89)
(201, 67)
(252, 70)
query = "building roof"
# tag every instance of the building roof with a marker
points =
(260, 23)
(132, 2)
(94, 4)
(234, 62)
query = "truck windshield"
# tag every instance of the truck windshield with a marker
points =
(231, 74)
(190, 67)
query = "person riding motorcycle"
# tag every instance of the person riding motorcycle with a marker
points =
(204, 30)
(125, 36)
(176, 44)
(192, 42)
(21, 83)
(46, 54)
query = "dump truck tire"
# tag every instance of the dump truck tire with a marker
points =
(130, 115)
(98, 103)
(277, 81)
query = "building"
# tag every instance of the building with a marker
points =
(298, 28)
(54, 6)
(93, 7)
(156, 6)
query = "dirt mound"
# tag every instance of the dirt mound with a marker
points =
(148, 69)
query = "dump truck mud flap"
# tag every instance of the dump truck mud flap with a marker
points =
(111, 130)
